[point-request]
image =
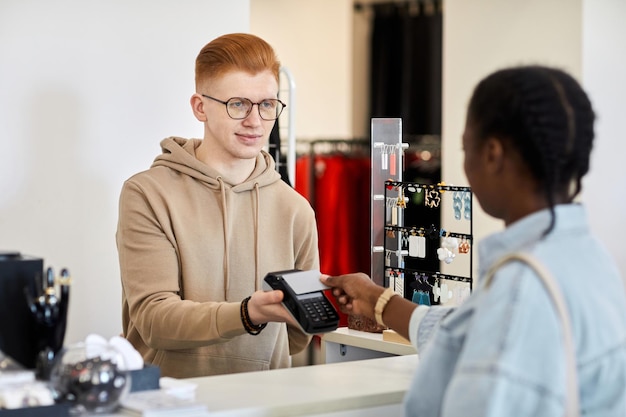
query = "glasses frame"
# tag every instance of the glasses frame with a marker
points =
(225, 103)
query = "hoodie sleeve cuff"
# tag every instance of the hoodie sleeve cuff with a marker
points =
(228, 320)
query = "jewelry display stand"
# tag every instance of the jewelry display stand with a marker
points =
(408, 245)
(400, 250)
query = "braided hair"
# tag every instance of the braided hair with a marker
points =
(546, 116)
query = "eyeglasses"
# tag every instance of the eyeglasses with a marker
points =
(239, 108)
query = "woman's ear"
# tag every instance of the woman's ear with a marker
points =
(494, 155)
(197, 106)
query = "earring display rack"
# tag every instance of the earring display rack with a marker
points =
(421, 262)
(406, 246)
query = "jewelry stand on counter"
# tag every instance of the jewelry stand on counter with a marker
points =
(407, 247)
(425, 263)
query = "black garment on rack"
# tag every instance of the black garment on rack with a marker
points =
(406, 65)
(274, 150)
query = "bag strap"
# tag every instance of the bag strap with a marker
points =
(572, 406)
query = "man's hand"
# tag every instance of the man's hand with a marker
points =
(266, 306)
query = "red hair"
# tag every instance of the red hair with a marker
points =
(235, 51)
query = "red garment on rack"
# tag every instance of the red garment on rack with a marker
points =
(338, 187)
(340, 194)
(303, 177)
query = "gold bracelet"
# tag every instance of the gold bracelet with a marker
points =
(382, 303)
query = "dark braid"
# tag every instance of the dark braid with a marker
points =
(578, 162)
(543, 114)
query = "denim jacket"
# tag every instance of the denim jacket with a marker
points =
(500, 353)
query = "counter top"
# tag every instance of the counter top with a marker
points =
(308, 390)
(367, 340)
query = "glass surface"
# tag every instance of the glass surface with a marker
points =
(90, 377)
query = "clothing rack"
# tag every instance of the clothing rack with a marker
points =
(331, 146)
(313, 148)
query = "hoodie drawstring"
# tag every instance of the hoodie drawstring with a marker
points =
(257, 278)
(225, 227)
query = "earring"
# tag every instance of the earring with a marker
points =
(421, 246)
(392, 204)
(413, 244)
(401, 201)
(391, 278)
(467, 202)
(445, 255)
(444, 294)
(384, 162)
(464, 246)
(417, 245)
(448, 250)
(392, 162)
(457, 203)
(432, 199)
(405, 239)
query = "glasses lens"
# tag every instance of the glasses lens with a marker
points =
(238, 108)
(270, 109)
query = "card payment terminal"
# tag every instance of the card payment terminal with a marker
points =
(304, 298)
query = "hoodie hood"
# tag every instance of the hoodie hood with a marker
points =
(179, 154)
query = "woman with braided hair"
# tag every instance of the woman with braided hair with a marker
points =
(527, 142)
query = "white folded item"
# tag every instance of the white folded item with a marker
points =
(32, 394)
(132, 358)
(178, 387)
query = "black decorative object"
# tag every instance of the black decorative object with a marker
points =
(49, 309)
(19, 334)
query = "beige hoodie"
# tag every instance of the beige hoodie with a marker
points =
(192, 246)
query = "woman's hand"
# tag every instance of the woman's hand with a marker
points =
(355, 293)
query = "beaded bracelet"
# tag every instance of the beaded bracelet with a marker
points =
(381, 303)
(245, 319)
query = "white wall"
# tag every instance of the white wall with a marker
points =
(481, 36)
(314, 40)
(604, 72)
(582, 36)
(87, 91)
